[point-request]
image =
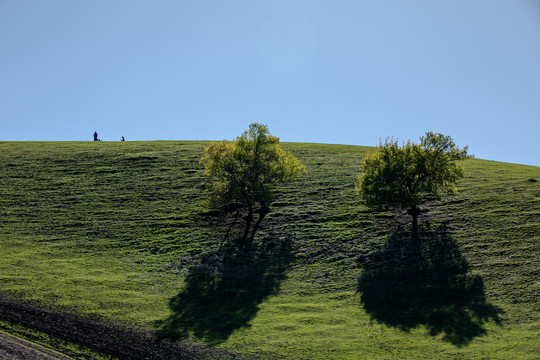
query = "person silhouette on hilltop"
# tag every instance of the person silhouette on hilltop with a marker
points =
(95, 136)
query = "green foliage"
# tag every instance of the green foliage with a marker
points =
(244, 173)
(407, 176)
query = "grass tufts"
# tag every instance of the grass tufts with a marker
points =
(117, 233)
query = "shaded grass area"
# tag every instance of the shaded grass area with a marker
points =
(426, 281)
(222, 292)
(118, 230)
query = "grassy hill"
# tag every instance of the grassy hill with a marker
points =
(116, 233)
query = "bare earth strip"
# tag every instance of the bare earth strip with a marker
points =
(94, 334)
(18, 349)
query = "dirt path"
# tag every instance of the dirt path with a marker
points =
(94, 334)
(13, 348)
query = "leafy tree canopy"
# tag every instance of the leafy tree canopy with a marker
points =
(244, 173)
(407, 176)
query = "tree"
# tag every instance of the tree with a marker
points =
(406, 177)
(242, 174)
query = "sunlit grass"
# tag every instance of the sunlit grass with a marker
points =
(114, 229)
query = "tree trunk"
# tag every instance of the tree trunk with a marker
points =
(236, 216)
(414, 213)
(264, 211)
(249, 219)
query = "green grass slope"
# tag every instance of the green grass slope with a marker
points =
(118, 231)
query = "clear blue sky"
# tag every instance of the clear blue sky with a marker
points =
(342, 72)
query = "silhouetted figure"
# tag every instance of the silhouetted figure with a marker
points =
(123, 139)
(95, 136)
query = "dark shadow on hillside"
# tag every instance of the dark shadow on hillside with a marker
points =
(223, 292)
(425, 281)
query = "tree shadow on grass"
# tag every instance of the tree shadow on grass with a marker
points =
(425, 281)
(222, 292)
